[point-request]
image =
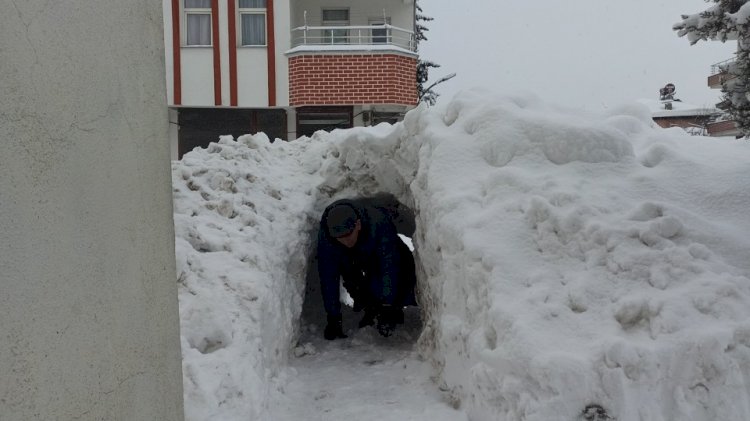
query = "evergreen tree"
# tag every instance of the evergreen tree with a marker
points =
(425, 94)
(727, 20)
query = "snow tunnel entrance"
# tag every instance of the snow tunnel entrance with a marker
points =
(313, 316)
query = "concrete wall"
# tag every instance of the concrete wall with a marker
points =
(88, 309)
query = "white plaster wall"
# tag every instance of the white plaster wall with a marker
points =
(291, 123)
(282, 19)
(197, 73)
(401, 12)
(252, 77)
(88, 309)
(252, 64)
(224, 50)
(169, 59)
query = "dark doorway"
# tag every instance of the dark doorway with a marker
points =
(200, 126)
(312, 119)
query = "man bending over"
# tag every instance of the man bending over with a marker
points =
(359, 243)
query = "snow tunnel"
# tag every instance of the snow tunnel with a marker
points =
(313, 315)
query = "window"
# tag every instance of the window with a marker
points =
(335, 17)
(380, 35)
(252, 22)
(198, 22)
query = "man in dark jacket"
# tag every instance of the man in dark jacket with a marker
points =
(359, 243)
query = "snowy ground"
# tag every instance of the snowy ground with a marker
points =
(564, 260)
(363, 378)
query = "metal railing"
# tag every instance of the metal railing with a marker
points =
(371, 35)
(721, 66)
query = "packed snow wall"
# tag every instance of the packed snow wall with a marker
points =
(240, 219)
(564, 259)
(581, 261)
(246, 216)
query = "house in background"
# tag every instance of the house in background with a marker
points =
(691, 118)
(286, 67)
(669, 111)
(724, 125)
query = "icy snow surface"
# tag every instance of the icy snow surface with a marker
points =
(564, 260)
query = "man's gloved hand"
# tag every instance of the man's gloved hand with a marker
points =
(334, 328)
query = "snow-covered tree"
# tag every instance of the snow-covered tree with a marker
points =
(425, 94)
(726, 20)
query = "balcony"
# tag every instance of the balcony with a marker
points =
(719, 73)
(352, 65)
(724, 105)
(353, 38)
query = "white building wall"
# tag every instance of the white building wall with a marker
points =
(252, 77)
(401, 12)
(197, 72)
(282, 14)
(89, 325)
(168, 58)
(224, 50)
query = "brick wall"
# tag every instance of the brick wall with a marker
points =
(318, 79)
(723, 128)
(683, 122)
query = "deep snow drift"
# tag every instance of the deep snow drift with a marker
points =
(564, 259)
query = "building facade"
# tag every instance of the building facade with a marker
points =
(670, 112)
(286, 67)
(724, 125)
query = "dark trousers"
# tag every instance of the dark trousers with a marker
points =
(366, 289)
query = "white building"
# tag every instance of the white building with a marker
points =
(286, 67)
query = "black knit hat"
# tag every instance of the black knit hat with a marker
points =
(341, 220)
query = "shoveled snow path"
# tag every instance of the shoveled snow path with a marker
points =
(364, 377)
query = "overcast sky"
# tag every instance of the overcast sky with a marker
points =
(590, 54)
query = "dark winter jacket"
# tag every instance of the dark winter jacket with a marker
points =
(370, 269)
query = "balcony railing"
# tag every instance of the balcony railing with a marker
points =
(721, 66)
(358, 36)
(719, 73)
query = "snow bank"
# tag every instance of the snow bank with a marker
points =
(238, 217)
(565, 259)
(574, 262)
(245, 218)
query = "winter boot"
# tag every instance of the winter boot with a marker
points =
(387, 320)
(369, 318)
(398, 315)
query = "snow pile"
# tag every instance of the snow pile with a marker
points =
(565, 260)
(240, 255)
(574, 262)
(245, 218)
(679, 109)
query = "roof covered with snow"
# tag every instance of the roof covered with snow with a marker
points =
(679, 109)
